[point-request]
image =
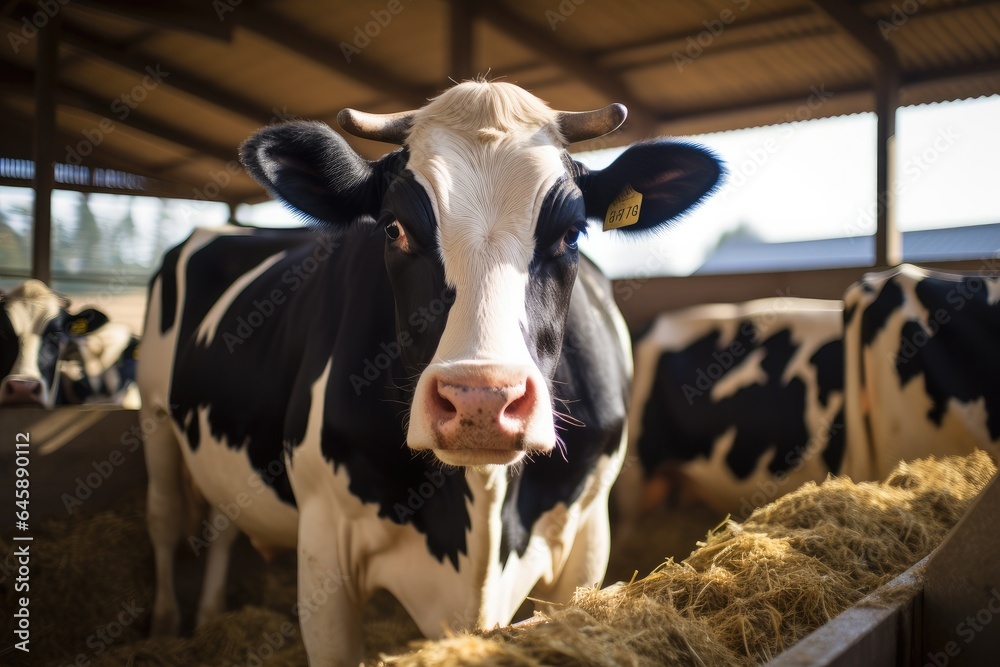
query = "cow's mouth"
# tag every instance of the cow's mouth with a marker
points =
(478, 457)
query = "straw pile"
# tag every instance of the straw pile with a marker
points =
(751, 590)
(748, 593)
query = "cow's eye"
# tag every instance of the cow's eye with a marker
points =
(571, 238)
(397, 235)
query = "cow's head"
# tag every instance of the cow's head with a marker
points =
(482, 209)
(32, 335)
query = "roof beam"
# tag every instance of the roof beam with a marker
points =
(182, 80)
(70, 96)
(860, 29)
(739, 25)
(202, 19)
(908, 80)
(323, 52)
(580, 66)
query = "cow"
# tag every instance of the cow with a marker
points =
(735, 404)
(50, 357)
(427, 393)
(922, 366)
(98, 364)
(32, 338)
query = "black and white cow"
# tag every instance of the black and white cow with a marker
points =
(32, 338)
(739, 404)
(428, 397)
(98, 364)
(736, 404)
(922, 367)
(50, 357)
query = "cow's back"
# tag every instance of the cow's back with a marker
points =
(216, 365)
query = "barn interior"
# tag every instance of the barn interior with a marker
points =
(151, 100)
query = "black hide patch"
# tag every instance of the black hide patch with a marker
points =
(10, 346)
(258, 391)
(591, 385)
(680, 425)
(955, 351)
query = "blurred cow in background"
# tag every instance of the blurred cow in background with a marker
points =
(50, 357)
(734, 405)
(923, 367)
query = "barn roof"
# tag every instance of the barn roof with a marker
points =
(167, 89)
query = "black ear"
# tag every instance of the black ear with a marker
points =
(86, 321)
(311, 168)
(671, 178)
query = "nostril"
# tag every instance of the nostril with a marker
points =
(522, 406)
(441, 404)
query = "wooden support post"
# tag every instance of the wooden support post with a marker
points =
(888, 240)
(44, 149)
(861, 29)
(462, 18)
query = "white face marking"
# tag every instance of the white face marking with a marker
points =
(486, 199)
(30, 307)
(486, 163)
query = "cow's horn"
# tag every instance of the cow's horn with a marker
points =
(389, 127)
(583, 125)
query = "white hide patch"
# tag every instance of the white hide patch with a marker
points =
(486, 198)
(224, 476)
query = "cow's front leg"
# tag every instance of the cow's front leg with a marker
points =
(330, 605)
(587, 561)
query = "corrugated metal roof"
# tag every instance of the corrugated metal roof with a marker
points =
(743, 255)
(681, 66)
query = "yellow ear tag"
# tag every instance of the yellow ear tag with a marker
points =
(78, 327)
(624, 210)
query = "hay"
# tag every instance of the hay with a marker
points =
(88, 570)
(752, 590)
